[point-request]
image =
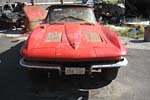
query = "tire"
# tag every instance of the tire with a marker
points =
(37, 75)
(109, 74)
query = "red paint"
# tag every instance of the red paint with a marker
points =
(73, 33)
(74, 45)
(34, 16)
(35, 13)
(38, 48)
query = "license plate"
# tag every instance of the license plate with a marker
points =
(74, 71)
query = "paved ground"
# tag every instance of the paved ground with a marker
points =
(135, 43)
(132, 82)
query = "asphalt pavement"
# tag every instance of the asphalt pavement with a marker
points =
(132, 82)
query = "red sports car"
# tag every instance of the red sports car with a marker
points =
(71, 42)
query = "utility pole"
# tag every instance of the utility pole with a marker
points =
(62, 2)
(32, 2)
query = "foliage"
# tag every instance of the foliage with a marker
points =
(113, 1)
(132, 31)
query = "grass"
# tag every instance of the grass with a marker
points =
(132, 31)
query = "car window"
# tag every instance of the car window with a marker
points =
(70, 14)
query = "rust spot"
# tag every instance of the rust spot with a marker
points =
(93, 37)
(53, 37)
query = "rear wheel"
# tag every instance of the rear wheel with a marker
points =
(37, 75)
(109, 73)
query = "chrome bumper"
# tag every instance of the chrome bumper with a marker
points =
(43, 66)
(121, 63)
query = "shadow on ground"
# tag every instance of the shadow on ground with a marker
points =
(137, 41)
(15, 84)
(12, 31)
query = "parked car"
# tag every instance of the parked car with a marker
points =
(71, 42)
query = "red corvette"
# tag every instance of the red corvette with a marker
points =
(69, 42)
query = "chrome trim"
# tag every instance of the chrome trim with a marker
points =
(121, 63)
(47, 66)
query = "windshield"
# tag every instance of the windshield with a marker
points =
(70, 14)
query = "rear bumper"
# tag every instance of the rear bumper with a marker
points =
(119, 64)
